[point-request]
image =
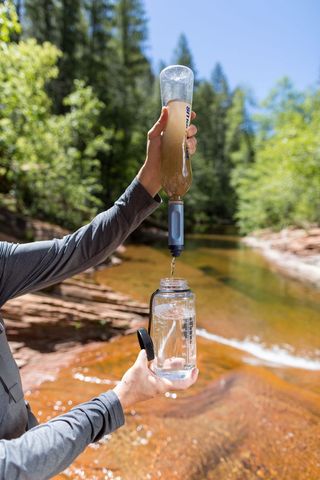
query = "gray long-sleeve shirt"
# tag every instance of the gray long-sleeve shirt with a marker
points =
(47, 449)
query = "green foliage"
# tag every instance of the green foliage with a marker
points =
(102, 43)
(75, 112)
(282, 98)
(131, 89)
(106, 48)
(183, 56)
(48, 164)
(9, 23)
(282, 187)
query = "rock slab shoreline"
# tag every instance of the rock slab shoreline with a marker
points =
(295, 251)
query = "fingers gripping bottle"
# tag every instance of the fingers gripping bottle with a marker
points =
(176, 84)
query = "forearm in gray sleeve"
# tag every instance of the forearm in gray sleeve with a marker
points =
(49, 448)
(29, 267)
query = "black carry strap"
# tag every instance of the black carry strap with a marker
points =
(10, 380)
(150, 309)
(32, 420)
(151, 300)
(9, 372)
(13, 389)
(16, 416)
(146, 343)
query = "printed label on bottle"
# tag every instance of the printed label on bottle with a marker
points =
(188, 115)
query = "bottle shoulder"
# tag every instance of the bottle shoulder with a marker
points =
(188, 293)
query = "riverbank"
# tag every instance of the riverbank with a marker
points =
(295, 251)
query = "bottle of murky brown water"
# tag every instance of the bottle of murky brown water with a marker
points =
(176, 167)
(176, 84)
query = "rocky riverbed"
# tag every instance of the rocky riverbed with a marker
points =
(45, 329)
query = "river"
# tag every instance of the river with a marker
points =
(255, 410)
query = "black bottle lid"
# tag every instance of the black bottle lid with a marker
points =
(146, 343)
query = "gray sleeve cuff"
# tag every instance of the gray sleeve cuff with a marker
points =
(156, 200)
(114, 412)
(49, 448)
(136, 204)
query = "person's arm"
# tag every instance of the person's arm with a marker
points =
(49, 448)
(28, 267)
(31, 266)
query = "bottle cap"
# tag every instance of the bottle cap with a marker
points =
(176, 83)
(146, 343)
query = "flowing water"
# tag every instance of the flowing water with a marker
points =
(255, 410)
(173, 266)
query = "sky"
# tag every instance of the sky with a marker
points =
(256, 41)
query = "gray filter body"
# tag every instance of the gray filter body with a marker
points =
(176, 228)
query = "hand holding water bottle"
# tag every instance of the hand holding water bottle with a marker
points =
(139, 383)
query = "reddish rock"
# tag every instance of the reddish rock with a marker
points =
(68, 314)
(302, 242)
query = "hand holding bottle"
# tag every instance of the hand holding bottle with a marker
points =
(139, 383)
(150, 173)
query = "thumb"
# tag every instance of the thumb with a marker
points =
(160, 125)
(141, 360)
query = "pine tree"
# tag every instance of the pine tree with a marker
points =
(239, 141)
(131, 94)
(204, 98)
(239, 128)
(100, 57)
(220, 83)
(212, 102)
(62, 23)
(41, 20)
(183, 55)
(131, 35)
(208, 180)
(72, 43)
(221, 161)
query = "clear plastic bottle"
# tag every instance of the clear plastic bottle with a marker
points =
(173, 329)
(176, 83)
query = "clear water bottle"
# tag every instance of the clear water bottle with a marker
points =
(172, 328)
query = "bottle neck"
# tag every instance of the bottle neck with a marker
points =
(175, 284)
(175, 198)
